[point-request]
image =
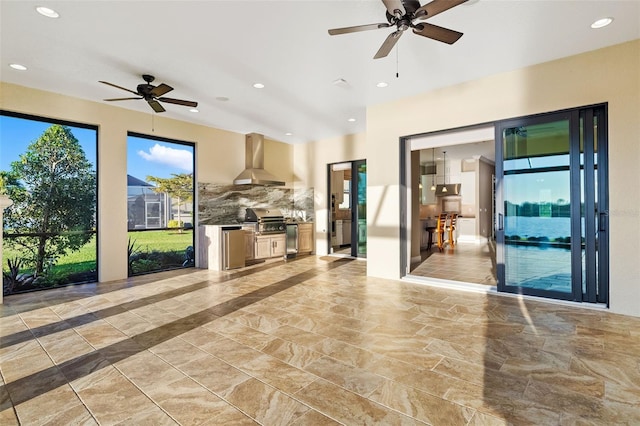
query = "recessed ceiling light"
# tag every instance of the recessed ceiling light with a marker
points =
(18, 67)
(258, 85)
(600, 23)
(194, 110)
(288, 134)
(45, 11)
(222, 98)
(351, 120)
(382, 84)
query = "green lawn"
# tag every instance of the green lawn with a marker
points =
(85, 258)
(162, 240)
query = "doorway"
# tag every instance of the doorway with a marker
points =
(347, 183)
(547, 226)
(452, 175)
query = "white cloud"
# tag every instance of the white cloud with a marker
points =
(161, 154)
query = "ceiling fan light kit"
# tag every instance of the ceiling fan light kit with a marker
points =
(405, 14)
(152, 94)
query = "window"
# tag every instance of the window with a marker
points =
(160, 193)
(345, 198)
(48, 169)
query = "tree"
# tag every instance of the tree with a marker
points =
(53, 188)
(180, 187)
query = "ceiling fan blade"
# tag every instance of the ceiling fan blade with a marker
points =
(435, 7)
(179, 102)
(161, 89)
(388, 44)
(435, 32)
(393, 5)
(156, 106)
(121, 99)
(118, 87)
(357, 28)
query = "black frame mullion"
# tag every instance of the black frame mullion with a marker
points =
(405, 171)
(329, 209)
(499, 205)
(603, 206)
(576, 204)
(589, 206)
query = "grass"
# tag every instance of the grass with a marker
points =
(162, 240)
(85, 258)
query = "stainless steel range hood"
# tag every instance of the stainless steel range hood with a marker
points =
(254, 172)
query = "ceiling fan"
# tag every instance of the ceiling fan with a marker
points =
(152, 94)
(404, 14)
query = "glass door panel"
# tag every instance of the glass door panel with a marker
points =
(537, 187)
(552, 208)
(359, 199)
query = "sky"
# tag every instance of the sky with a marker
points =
(18, 133)
(148, 157)
(145, 157)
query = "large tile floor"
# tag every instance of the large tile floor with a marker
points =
(310, 342)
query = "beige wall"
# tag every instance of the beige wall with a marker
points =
(608, 75)
(310, 170)
(219, 157)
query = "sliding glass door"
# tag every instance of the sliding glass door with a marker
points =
(347, 182)
(359, 210)
(551, 207)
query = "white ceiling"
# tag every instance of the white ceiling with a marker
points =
(211, 49)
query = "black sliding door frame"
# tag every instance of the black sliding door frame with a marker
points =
(588, 182)
(353, 205)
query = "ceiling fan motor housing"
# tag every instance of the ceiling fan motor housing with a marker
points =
(404, 22)
(145, 90)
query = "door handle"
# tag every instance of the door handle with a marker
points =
(602, 220)
(500, 222)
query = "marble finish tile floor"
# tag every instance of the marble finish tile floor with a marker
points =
(312, 341)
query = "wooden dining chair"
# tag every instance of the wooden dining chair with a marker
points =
(451, 228)
(441, 226)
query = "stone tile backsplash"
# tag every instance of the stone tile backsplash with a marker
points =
(226, 204)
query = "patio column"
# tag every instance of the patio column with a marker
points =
(4, 203)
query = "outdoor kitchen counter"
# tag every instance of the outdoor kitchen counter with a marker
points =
(209, 255)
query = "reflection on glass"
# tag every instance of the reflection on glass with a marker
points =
(362, 208)
(537, 224)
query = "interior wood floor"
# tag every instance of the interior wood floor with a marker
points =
(311, 341)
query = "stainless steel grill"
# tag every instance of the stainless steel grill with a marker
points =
(265, 221)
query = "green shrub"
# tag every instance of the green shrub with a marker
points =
(175, 224)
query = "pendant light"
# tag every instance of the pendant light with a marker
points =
(444, 165)
(433, 161)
